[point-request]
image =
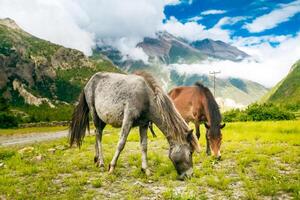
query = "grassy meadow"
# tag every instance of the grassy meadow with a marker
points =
(260, 160)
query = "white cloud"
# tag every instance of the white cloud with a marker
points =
(213, 12)
(272, 19)
(173, 2)
(193, 31)
(230, 20)
(195, 19)
(271, 64)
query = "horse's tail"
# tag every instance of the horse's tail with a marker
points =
(80, 121)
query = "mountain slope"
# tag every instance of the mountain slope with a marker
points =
(287, 91)
(35, 71)
(219, 50)
(169, 49)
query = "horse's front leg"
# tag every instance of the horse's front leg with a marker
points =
(208, 152)
(143, 144)
(197, 124)
(126, 126)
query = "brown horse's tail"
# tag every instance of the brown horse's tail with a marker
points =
(80, 121)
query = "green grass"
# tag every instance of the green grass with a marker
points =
(259, 160)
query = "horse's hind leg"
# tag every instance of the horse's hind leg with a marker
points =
(143, 144)
(99, 124)
(126, 126)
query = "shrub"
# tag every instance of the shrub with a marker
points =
(259, 112)
(8, 120)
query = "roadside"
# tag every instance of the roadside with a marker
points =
(17, 139)
(15, 132)
(31, 138)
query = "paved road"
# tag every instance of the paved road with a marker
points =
(31, 138)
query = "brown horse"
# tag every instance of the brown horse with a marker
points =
(196, 104)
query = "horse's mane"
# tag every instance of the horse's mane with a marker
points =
(213, 107)
(175, 124)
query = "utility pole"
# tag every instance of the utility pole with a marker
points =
(214, 74)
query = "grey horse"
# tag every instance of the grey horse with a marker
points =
(127, 101)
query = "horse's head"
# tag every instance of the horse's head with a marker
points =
(214, 137)
(181, 155)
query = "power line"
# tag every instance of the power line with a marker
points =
(214, 74)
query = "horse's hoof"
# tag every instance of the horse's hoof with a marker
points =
(146, 171)
(100, 165)
(111, 169)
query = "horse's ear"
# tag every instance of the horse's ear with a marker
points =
(222, 126)
(206, 125)
(193, 141)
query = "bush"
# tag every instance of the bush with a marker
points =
(8, 120)
(259, 112)
(44, 113)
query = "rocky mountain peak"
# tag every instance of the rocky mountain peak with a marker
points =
(10, 23)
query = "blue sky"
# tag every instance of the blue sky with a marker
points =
(235, 8)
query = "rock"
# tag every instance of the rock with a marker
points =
(39, 157)
(139, 183)
(26, 150)
(1, 164)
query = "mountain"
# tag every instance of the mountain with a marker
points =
(169, 49)
(219, 50)
(287, 91)
(165, 50)
(36, 72)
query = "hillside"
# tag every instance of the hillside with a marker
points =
(42, 68)
(169, 49)
(39, 73)
(219, 50)
(287, 91)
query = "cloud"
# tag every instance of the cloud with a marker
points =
(230, 20)
(195, 19)
(193, 31)
(213, 12)
(270, 65)
(274, 18)
(173, 2)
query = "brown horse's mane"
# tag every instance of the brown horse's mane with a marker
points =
(213, 108)
(175, 124)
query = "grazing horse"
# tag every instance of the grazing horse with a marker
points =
(196, 104)
(127, 101)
